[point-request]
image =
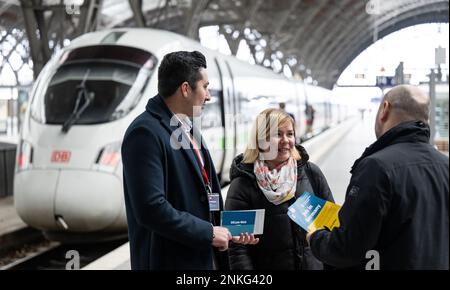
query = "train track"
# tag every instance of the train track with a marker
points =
(20, 244)
(46, 255)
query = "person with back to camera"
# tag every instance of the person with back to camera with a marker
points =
(282, 106)
(270, 175)
(397, 200)
(172, 194)
(309, 115)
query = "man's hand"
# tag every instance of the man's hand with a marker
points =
(221, 236)
(246, 239)
(308, 236)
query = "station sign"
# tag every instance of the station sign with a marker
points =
(385, 81)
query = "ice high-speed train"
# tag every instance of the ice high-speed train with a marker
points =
(68, 179)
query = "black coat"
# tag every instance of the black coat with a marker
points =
(282, 246)
(396, 203)
(168, 216)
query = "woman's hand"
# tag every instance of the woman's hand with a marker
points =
(245, 239)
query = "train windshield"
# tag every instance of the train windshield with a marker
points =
(94, 85)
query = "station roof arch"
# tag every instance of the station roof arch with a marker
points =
(316, 38)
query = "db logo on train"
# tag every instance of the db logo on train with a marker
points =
(60, 156)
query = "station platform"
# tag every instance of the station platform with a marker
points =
(338, 161)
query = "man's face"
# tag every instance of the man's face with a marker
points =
(200, 95)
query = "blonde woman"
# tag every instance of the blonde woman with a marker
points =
(271, 174)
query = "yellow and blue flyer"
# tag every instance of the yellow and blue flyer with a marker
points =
(313, 213)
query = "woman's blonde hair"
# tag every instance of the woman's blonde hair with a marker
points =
(265, 125)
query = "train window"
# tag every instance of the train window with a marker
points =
(95, 90)
(211, 115)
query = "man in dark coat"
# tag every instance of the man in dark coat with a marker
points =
(170, 222)
(395, 215)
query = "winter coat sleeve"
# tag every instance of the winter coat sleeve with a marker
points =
(238, 198)
(321, 183)
(361, 218)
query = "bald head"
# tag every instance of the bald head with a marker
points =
(409, 103)
(401, 104)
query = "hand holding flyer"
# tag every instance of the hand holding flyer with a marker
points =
(313, 213)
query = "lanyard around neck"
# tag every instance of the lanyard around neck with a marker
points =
(199, 156)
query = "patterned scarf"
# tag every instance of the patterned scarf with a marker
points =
(278, 185)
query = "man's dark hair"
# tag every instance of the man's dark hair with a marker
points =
(178, 67)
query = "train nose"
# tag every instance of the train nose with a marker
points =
(87, 200)
(74, 201)
(34, 193)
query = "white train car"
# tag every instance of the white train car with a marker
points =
(68, 179)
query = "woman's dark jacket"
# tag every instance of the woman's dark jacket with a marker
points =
(283, 244)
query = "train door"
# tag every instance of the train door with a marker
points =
(228, 113)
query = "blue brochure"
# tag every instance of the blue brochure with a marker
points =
(243, 221)
(312, 213)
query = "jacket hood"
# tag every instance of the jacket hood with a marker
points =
(240, 169)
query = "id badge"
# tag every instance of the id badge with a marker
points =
(214, 204)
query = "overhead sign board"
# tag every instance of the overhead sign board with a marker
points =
(385, 81)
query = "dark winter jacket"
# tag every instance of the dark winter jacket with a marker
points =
(282, 246)
(396, 203)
